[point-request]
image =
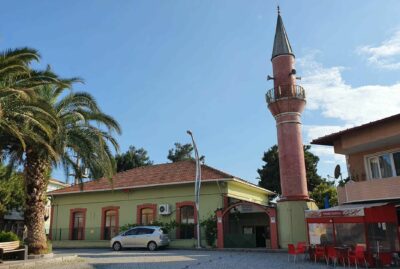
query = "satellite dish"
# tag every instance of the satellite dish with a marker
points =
(337, 172)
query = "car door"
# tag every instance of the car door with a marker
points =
(129, 238)
(144, 236)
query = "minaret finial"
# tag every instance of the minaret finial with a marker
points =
(279, 11)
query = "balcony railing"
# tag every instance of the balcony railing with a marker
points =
(285, 91)
(369, 190)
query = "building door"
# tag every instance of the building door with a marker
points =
(78, 226)
(110, 225)
(260, 236)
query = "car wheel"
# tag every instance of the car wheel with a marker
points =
(117, 246)
(152, 246)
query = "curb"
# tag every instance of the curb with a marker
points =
(37, 262)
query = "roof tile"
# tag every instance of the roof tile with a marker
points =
(168, 173)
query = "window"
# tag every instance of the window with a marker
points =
(321, 233)
(350, 234)
(110, 228)
(382, 235)
(145, 231)
(187, 222)
(78, 226)
(147, 216)
(384, 165)
(132, 232)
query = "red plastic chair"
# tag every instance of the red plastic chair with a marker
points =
(319, 252)
(332, 254)
(293, 251)
(357, 255)
(302, 249)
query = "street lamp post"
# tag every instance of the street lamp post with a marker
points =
(197, 185)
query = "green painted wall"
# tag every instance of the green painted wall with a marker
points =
(211, 199)
(291, 221)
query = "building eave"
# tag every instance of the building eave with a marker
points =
(138, 187)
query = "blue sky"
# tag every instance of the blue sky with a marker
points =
(162, 67)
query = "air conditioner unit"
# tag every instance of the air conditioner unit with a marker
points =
(164, 209)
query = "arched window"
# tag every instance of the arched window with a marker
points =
(110, 224)
(187, 222)
(147, 216)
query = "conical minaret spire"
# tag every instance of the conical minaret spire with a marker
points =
(281, 41)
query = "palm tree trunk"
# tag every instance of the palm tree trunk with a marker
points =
(35, 186)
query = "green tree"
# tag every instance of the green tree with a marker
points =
(181, 153)
(81, 131)
(132, 158)
(270, 175)
(18, 99)
(12, 194)
(322, 190)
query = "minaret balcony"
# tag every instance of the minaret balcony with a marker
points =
(285, 92)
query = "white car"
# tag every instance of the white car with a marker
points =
(151, 237)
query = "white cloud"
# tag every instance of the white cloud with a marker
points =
(334, 98)
(328, 94)
(315, 131)
(386, 55)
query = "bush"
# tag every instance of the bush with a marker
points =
(8, 236)
(126, 227)
(210, 226)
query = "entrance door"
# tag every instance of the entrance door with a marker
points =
(110, 229)
(77, 232)
(260, 236)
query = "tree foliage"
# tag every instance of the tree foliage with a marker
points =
(270, 175)
(322, 190)
(44, 126)
(132, 158)
(181, 153)
(12, 194)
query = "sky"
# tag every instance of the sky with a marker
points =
(163, 67)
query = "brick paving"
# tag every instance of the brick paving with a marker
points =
(181, 259)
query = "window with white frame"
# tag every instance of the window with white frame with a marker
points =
(384, 165)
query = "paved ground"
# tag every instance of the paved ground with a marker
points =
(180, 259)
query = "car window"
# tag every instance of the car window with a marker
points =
(145, 231)
(132, 232)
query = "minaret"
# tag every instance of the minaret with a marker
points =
(286, 101)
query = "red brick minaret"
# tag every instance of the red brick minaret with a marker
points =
(286, 102)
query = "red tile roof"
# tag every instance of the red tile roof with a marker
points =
(146, 176)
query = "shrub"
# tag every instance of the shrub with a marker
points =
(126, 227)
(8, 236)
(210, 226)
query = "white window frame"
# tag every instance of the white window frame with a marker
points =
(377, 155)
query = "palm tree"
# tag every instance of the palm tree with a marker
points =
(17, 97)
(83, 132)
(40, 129)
